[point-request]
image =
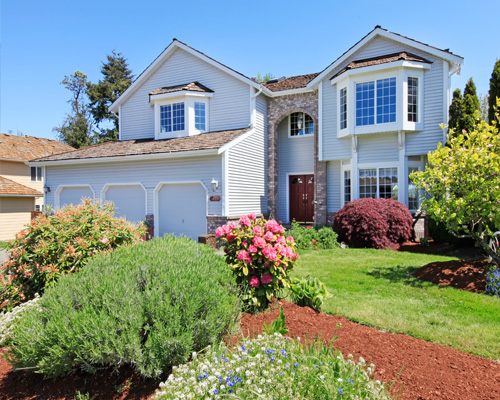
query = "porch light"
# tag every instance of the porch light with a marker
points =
(299, 123)
(47, 189)
(214, 184)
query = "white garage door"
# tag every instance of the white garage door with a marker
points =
(74, 195)
(129, 201)
(182, 210)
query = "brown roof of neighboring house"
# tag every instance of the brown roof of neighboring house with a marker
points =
(26, 148)
(294, 82)
(120, 148)
(192, 87)
(403, 55)
(11, 188)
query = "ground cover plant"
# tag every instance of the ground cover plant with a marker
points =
(260, 256)
(148, 305)
(272, 367)
(313, 237)
(373, 223)
(375, 287)
(493, 282)
(308, 292)
(58, 243)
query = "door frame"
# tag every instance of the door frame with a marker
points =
(288, 174)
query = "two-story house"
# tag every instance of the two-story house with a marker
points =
(21, 186)
(201, 144)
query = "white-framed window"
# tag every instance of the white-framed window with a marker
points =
(36, 174)
(384, 99)
(347, 186)
(378, 182)
(301, 124)
(415, 163)
(184, 114)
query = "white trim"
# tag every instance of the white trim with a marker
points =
(288, 92)
(156, 200)
(181, 93)
(446, 98)
(343, 169)
(402, 170)
(305, 135)
(21, 195)
(120, 123)
(287, 190)
(225, 183)
(320, 122)
(163, 57)
(57, 194)
(108, 185)
(388, 35)
(147, 157)
(234, 142)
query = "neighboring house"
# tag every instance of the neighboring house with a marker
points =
(201, 144)
(21, 186)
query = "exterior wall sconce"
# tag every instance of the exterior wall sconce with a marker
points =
(47, 189)
(214, 184)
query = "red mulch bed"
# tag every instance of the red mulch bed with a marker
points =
(420, 370)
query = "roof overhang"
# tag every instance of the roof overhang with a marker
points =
(21, 195)
(288, 92)
(171, 48)
(453, 59)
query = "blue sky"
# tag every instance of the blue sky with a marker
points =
(41, 42)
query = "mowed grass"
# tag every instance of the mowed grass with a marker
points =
(373, 287)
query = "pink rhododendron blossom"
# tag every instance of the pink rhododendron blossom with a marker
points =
(252, 249)
(244, 243)
(266, 278)
(232, 226)
(252, 216)
(254, 281)
(287, 252)
(290, 239)
(278, 262)
(270, 253)
(243, 256)
(269, 236)
(231, 237)
(220, 231)
(280, 239)
(257, 229)
(245, 221)
(259, 242)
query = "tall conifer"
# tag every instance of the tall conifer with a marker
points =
(494, 92)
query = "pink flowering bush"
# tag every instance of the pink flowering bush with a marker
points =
(260, 256)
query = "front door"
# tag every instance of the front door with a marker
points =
(301, 198)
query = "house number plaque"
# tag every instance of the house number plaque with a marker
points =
(214, 198)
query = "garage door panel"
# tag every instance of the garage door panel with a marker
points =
(129, 201)
(74, 195)
(182, 210)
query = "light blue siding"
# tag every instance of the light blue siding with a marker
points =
(149, 173)
(333, 182)
(295, 156)
(228, 108)
(376, 148)
(247, 168)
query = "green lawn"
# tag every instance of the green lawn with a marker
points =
(373, 287)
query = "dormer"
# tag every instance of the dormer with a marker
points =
(181, 110)
(381, 94)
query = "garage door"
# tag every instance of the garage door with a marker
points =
(182, 209)
(74, 195)
(129, 201)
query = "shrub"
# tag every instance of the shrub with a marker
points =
(375, 223)
(56, 244)
(493, 282)
(148, 305)
(313, 237)
(308, 292)
(8, 320)
(273, 367)
(260, 257)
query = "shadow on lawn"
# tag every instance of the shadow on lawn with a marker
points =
(398, 273)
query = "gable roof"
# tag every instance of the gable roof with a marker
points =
(190, 87)
(11, 188)
(379, 31)
(388, 58)
(145, 147)
(294, 82)
(26, 148)
(169, 50)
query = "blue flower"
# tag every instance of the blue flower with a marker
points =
(216, 391)
(340, 391)
(226, 359)
(272, 359)
(243, 348)
(296, 364)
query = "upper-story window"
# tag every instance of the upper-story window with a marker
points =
(380, 103)
(36, 174)
(181, 110)
(412, 99)
(301, 124)
(343, 108)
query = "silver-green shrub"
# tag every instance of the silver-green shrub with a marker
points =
(149, 305)
(9, 319)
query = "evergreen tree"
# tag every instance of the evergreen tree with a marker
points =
(455, 111)
(116, 79)
(77, 128)
(470, 105)
(494, 92)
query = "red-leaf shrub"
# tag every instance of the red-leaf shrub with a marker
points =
(374, 223)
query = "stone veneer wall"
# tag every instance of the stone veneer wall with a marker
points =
(277, 109)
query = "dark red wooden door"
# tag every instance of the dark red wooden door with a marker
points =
(301, 198)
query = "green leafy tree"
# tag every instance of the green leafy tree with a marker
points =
(117, 77)
(77, 128)
(494, 93)
(455, 111)
(264, 78)
(484, 102)
(462, 183)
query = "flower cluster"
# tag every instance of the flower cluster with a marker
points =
(8, 319)
(272, 367)
(493, 282)
(260, 255)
